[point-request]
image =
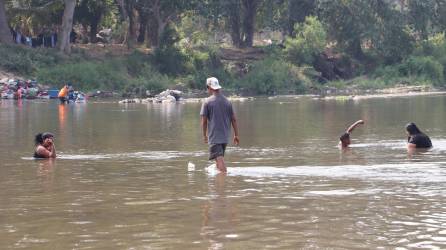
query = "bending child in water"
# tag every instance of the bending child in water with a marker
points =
(44, 146)
(416, 138)
(345, 138)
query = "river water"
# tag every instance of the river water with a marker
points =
(136, 176)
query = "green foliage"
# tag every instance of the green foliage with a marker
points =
(25, 60)
(424, 66)
(150, 80)
(168, 58)
(413, 70)
(367, 25)
(84, 75)
(205, 64)
(137, 63)
(112, 74)
(272, 76)
(310, 40)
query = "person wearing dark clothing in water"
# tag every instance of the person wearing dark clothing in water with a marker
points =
(416, 138)
(44, 146)
(344, 139)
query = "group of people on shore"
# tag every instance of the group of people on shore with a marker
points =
(45, 38)
(217, 118)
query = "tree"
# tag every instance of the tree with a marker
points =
(67, 26)
(238, 15)
(127, 10)
(160, 13)
(298, 10)
(421, 14)
(374, 25)
(5, 33)
(310, 41)
(90, 13)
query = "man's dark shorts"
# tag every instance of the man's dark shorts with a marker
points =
(216, 150)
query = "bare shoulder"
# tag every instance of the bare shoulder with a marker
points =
(41, 149)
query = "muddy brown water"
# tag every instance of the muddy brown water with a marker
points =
(122, 181)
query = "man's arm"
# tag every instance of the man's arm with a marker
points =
(354, 125)
(204, 128)
(236, 140)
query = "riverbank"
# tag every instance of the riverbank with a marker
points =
(142, 73)
(339, 95)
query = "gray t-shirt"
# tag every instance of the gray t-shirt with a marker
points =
(218, 110)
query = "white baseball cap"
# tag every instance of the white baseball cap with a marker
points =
(212, 82)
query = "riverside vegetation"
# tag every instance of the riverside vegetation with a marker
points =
(334, 44)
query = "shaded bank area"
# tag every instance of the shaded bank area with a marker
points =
(245, 72)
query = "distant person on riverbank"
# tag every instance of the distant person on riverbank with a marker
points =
(345, 137)
(217, 116)
(44, 146)
(63, 94)
(416, 138)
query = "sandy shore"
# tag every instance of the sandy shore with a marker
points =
(400, 91)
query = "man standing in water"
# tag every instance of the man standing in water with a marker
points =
(63, 94)
(217, 116)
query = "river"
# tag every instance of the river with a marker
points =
(136, 176)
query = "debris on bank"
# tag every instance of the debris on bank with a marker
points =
(20, 89)
(174, 96)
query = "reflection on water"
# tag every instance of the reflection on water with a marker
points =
(124, 177)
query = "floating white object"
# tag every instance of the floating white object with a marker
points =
(190, 166)
(212, 169)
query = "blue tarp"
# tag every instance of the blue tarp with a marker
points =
(53, 93)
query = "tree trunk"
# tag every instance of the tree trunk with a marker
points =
(235, 23)
(142, 28)
(122, 10)
(5, 32)
(152, 33)
(354, 48)
(67, 26)
(131, 39)
(94, 29)
(127, 12)
(250, 11)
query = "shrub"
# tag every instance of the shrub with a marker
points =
(24, 60)
(167, 57)
(423, 66)
(153, 81)
(85, 75)
(137, 63)
(310, 40)
(207, 63)
(272, 76)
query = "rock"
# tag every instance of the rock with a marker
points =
(240, 99)
(169, 99)
(193, 100)
(136, 100)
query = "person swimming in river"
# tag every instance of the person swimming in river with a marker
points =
(416, 138)
(44, 146)
(344, 139)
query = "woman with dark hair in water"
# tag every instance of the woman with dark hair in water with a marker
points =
(44, 146)
(416, 138)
